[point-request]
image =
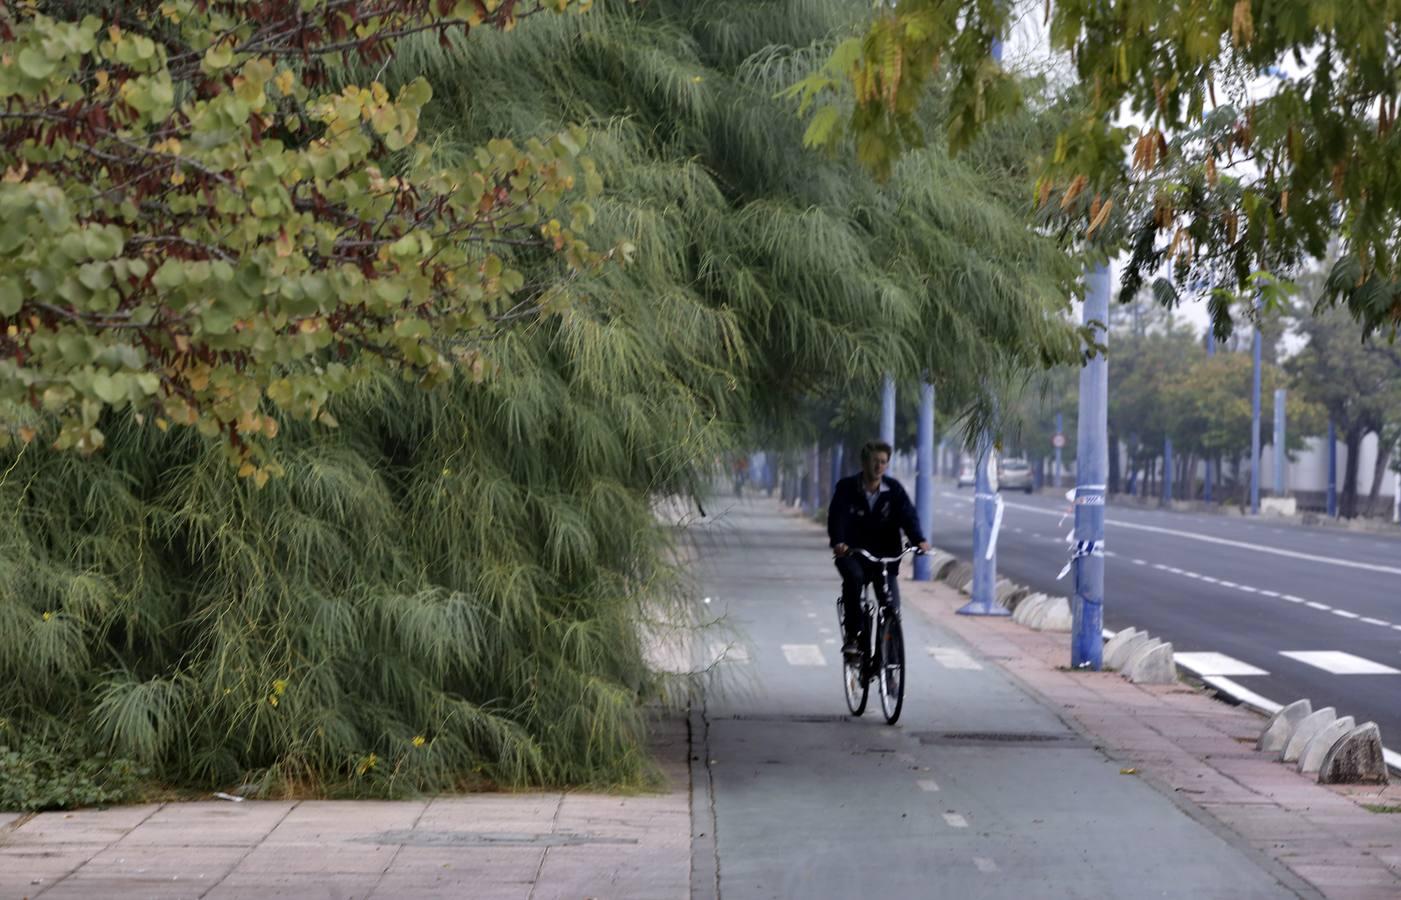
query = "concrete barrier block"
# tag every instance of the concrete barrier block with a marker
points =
(1281, 727)
(940, 566)
(1112, 645)
(1356, 759)
(1125, 650)
(1153, 666)
(1037, 613)
(1019, 601)
(1311, 759)
(1027, 608)
(1055, 616)
(1130, 657)
(1009, 592)
(1309, 726)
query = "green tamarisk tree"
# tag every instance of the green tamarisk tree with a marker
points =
(209, 218)
(1257, 130)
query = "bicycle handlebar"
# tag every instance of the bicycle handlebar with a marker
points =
(888, 559)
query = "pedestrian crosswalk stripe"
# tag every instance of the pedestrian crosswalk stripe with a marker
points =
(954, 658)
(1338, 663)
(1216, 664)
(804, 655)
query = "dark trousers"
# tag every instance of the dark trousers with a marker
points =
(855, 572)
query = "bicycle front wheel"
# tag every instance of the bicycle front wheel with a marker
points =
(892, 667)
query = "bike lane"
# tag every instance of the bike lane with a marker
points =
(980, 790)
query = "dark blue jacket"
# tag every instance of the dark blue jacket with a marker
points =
(877, 529)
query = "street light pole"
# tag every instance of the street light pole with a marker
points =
(1091, 472)
(1209, 486)
(986, 513)
(1060, 430)
(1279, 442)
(887, 412)
(1255, 422)
(924, 476)
(1332, 470)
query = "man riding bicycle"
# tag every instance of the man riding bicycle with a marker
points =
(868, 511)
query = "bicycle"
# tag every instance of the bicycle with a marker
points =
(883, 655)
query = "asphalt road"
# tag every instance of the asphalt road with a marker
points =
(1249, 589)
(980, 791)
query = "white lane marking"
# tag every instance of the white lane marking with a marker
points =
(1226, 542)
(1207, 663)
(1247, 588)
(830, 641)
(984, 864)
(1209, 580)
(1269, 593)
(1396, 628)
(812, 615)
(824, 631)
(1242, 694)
(1192, 574)
(1345, 614)
(1160, 567)
(1139, 562)
(955, 820)
(804, 655)
(927, 785)
(954, 658)
(1314, 604)
(728, 653)
(1229, 584)
(1338, 663)
(1371, 621)
(1292, 599)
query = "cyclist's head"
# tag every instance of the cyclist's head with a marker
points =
(875, 457)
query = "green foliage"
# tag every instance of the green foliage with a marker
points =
(198, 227)
(1226, 175)
(38, 777)
(447, 588)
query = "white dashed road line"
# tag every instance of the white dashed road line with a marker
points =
(1216, 664)
(985, 865)
(955, 820)
(1336, 662)
(954, 658)
(928, 785)
(804, 655)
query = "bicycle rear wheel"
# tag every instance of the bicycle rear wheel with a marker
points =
(892, 666)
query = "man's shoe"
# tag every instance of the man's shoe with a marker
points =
(851, 648)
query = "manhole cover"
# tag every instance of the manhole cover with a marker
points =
(415, 838)
(994, 737)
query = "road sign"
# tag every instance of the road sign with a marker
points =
(1058, 441)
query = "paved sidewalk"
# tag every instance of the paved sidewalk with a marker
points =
(1200, 751)
(484, 846)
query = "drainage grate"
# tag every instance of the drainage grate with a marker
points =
(995, 737)
(415, 838)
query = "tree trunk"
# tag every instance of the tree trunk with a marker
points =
(1379, 469)
(1113, 463)
(1352, 439)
